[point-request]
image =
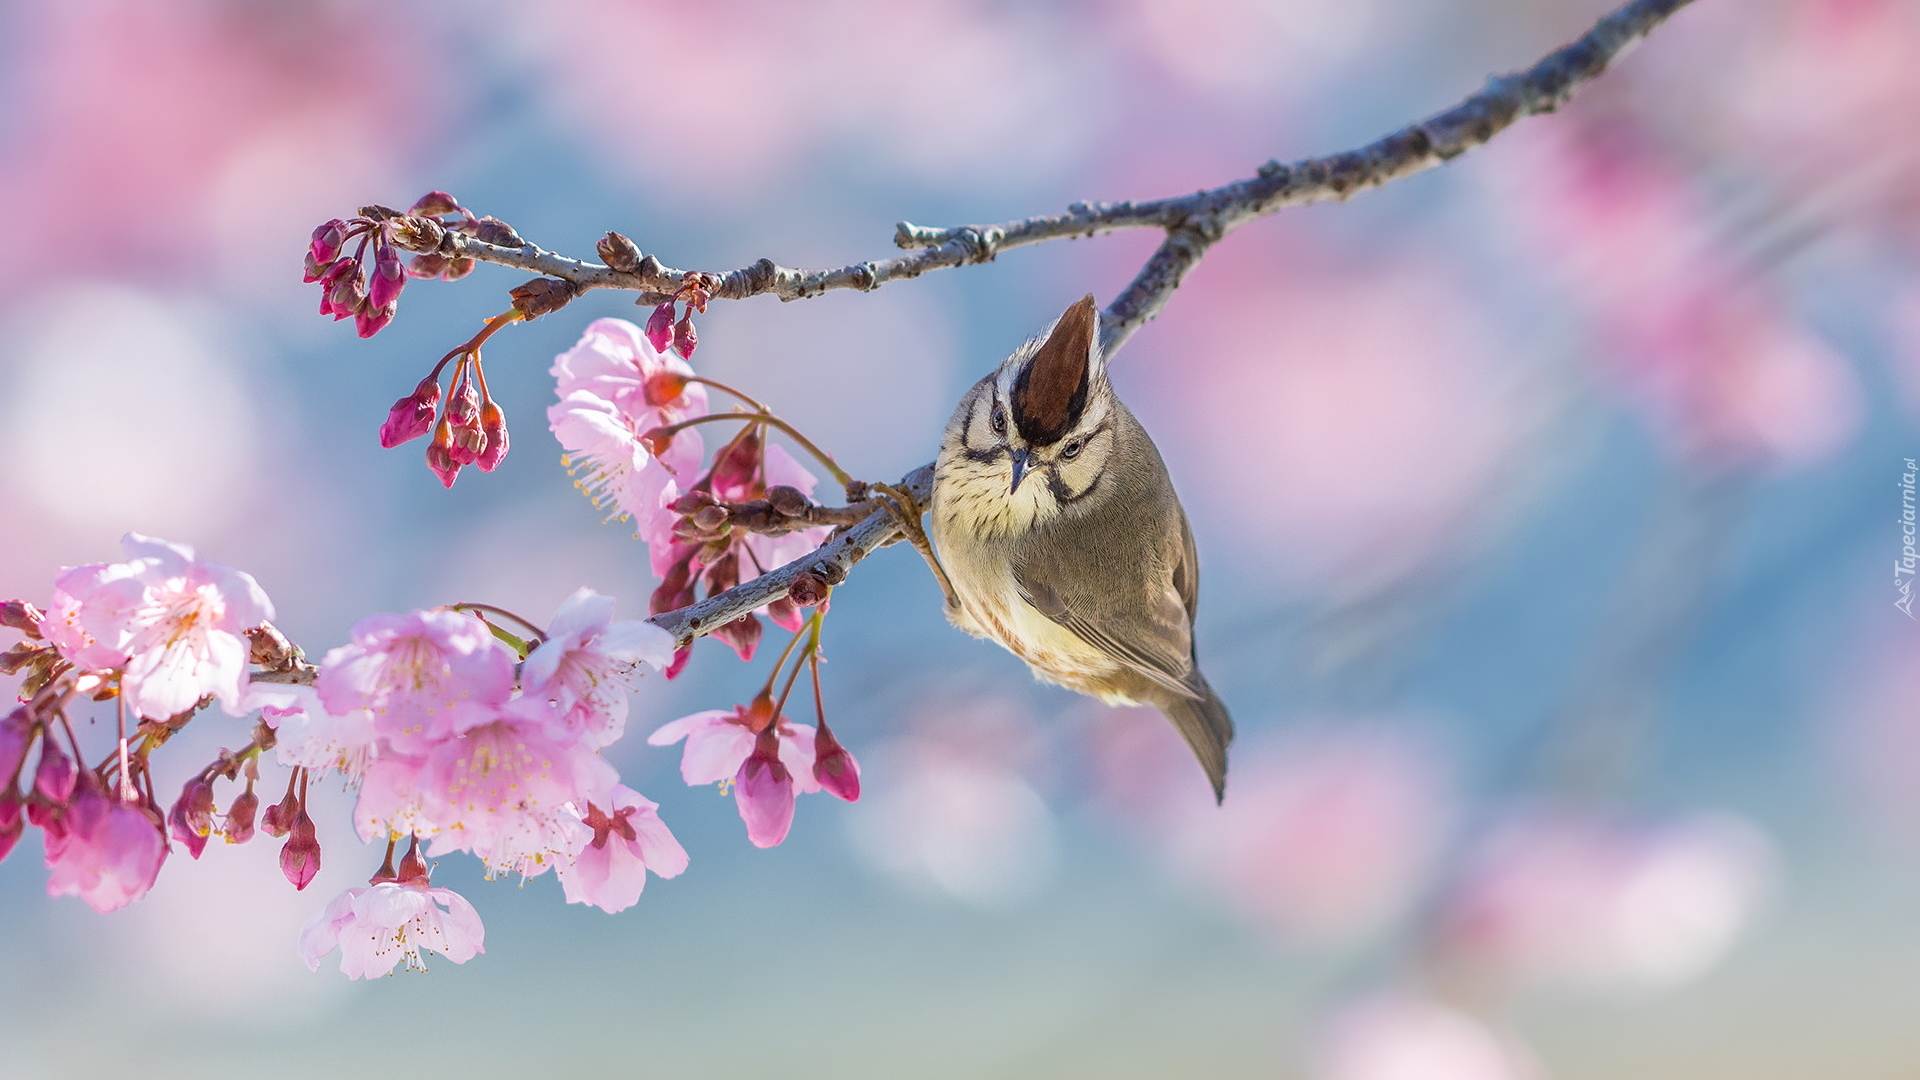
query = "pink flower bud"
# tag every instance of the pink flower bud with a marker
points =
(313, 269)
(191, 818)
(413, 868)
(328, 239)
(16, 734)
(239, 823)
(278, 819)
(440, 455)
(435, 203)
(12, 821)
(742, 634)
(737, 464)
(22, 616)
(300, 858)
(660, 327)
(411, 416)
(348, 294)
(388, 278)
(370, 320)
(467, 438)
(684, 339)
(834, 767)
(493, 425)
(764, 790)
(54, 779)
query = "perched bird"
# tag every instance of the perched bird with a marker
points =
(1063, 540)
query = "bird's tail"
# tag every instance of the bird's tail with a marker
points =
(1203, 720)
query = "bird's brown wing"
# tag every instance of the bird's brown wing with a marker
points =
(1118, 588)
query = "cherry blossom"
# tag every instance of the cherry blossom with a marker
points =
(588, 663)
(424, 676)
(628, 840)
(610, 396)
(175, 622)
(310, 737)
(768, 767)
(106, 851)
(377, 926)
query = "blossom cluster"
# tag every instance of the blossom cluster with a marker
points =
(624, 415)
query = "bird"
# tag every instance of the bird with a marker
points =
(1062, 539)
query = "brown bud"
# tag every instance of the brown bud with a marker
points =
(22, 616)
(542, 296)
(457, 269)
(708, 519)
(418, 233)
(494, 231)
(18, 657)
(787, 500)
(270, 648)
(376, 212)
(619, 253)
(692, 501)
(858, 491)
(808, 589)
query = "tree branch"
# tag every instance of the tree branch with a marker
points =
(1193, 224)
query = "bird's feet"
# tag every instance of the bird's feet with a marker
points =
(906, 513)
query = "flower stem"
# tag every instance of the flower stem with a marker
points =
(474, 608)
(771, 420)
(812, 633)
(718, 385)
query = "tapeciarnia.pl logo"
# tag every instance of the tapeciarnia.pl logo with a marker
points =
(1904, 566)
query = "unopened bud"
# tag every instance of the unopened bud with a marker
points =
(787, 500)
(191, 818)
(300, 858)
(22, 616)
(436, 203)
(440, 455)
(348, 293)
(691, 502)
(314, 269)
(684, 338)
(660, 327)
(411, 416)
(458, 268)
(665, 387)
(494, 231)
(16, 734)
(19, 656)
(328, 238)
(431, 265)
(542, 296)
(656, 440)
(239, 824)
(834, 767)
(53, 780)
(742, 634)
(413, 868)
(269, 648)
(493, 426)
(807, 590)
(619, 253)
(12, 820)
(370, 320)
(417, 233)
(278, 818)
(709, 518)
(389, 276)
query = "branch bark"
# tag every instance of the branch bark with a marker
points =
(1193, 224)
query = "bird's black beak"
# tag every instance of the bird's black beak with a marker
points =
(1020, 460)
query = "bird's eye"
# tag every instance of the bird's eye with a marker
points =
(999, 421)
(1072, 449)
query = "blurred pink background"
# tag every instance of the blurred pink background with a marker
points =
(1547, 502)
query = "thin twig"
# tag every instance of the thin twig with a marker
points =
(1193, 224)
